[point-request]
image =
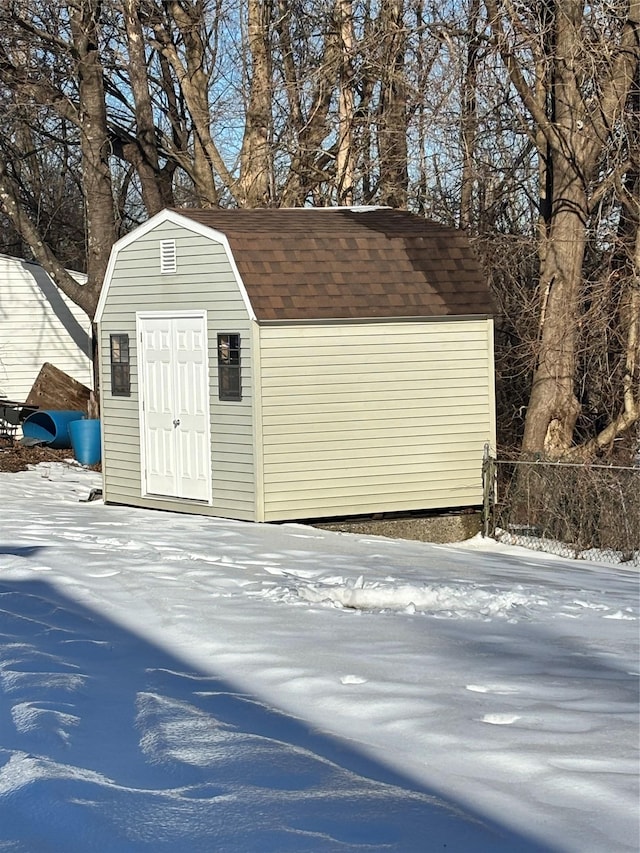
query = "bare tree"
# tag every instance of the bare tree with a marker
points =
(254, 186)
(573, 68)
(144, 155)
(23, 62)
(517, 122)
(346, 152)
(469, 116)
(393, 111)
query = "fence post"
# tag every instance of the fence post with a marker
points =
(488, 491)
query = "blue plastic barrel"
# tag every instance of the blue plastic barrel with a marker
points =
(50, 427)
(85, 440)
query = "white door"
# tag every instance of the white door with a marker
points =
(175, 406)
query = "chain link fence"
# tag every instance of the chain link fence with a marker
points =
(589, 512)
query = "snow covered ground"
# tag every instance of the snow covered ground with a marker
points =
(174, 683)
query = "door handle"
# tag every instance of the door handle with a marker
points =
(176, 422)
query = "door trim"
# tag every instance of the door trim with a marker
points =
(141, 316)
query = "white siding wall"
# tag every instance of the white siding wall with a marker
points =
(372, 417)
(203, 281)
(38, 324)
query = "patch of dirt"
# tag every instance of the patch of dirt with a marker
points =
(16, 457)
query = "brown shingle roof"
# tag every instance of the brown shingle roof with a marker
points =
(340, 263)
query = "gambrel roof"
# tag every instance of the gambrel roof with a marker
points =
(349, 263)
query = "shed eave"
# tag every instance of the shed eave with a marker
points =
(391, 318)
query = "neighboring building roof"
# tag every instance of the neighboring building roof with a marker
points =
(337, 263)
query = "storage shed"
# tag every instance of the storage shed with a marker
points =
(273, 365)
(38, 324)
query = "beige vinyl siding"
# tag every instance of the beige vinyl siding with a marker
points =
(38, 324)
(369, 417)
(203, 280)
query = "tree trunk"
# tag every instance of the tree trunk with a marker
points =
(345, 156)
(469, 118)
(156, 194)
(553, 407)
(393, 112)
(306, 170)
(254, 184)
(95, 145)
(193, 79)
(572, 129)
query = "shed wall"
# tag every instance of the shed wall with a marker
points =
(370, 417)
(38, 324)
(204, 280)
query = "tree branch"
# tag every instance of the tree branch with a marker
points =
(81, 294)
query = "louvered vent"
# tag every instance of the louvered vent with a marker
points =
(168, 263)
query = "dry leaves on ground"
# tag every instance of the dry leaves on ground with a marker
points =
(16, 457)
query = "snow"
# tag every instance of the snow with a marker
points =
(178, 683)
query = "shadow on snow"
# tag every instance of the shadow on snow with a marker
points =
(110, 744)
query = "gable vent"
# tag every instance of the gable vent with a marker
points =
(168, 262)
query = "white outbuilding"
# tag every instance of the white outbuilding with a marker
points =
(272, 365)
(38, 324)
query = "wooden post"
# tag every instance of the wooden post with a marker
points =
(488, 492)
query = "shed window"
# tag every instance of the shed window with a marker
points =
(120, 373)
(168, 262)
(229, 379)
